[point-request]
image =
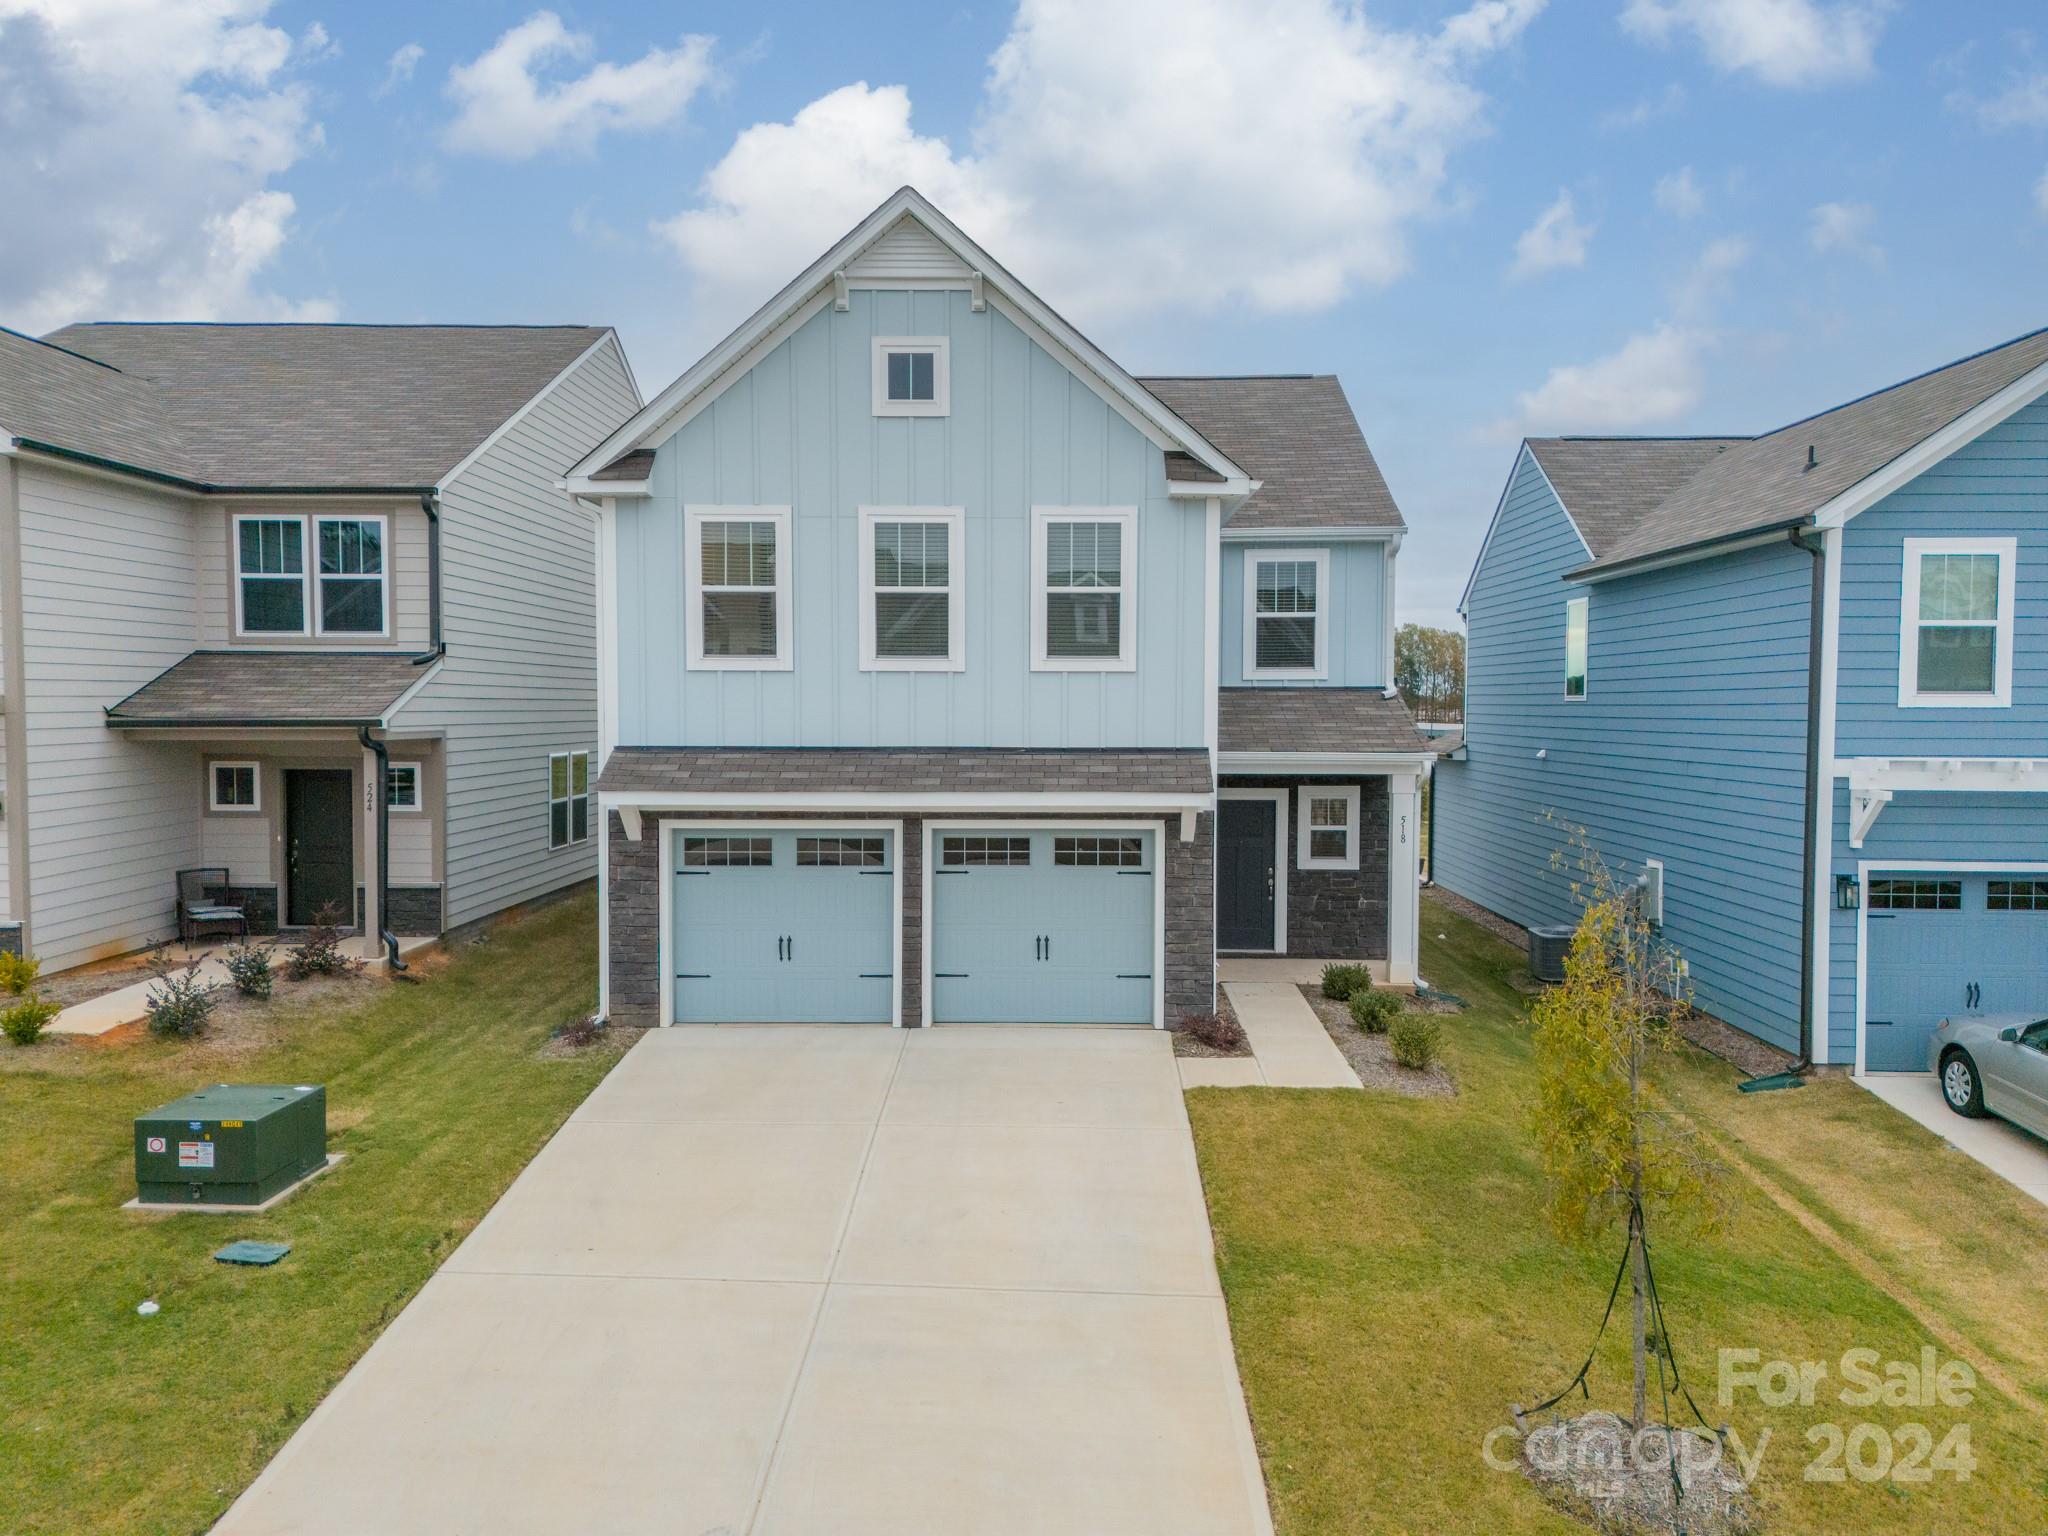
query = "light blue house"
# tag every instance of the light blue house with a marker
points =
(1801, 681)
(950, 673)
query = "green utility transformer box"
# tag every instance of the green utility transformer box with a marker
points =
(229, 1145)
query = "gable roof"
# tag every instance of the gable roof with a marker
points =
(1609, 485)
(244, 407)
(1144, 409)
(1858, 450)
(1297, 435)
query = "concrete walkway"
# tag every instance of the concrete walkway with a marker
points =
(793, 1281)
(1290, 1047)
(2014, 1155)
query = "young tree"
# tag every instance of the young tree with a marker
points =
(1429, 671)
(1608, 1151)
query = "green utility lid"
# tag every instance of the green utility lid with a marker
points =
(229, 1101)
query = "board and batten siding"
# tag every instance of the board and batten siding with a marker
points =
(410, 590)
(1689, 747)
(518, 603)
(107, 604)
(1993, 487)
(798, 430)
(1355, 610)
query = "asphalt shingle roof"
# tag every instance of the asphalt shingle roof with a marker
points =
(264, 406)
(1297, 435)
(1609, 485)
(1315, 720)
(252, 688)
(783, 770)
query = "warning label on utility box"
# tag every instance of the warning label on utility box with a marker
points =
(195, 1154)
(156, 1144)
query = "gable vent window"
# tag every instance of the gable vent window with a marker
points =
(1955, 632)
(911, 376)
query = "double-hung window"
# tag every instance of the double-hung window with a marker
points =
(1955, 630)
(1084, 579)
(737, 573)
(568, 798)
(911, 376)
(352, 590)
(1328, 837)
(1286, 607)
(270, 575)
(1576, 615)
(910, 597)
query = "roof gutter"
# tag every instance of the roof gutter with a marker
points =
(208, 488)
(1723, 543)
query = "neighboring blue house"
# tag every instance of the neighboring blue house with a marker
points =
(951, 673)
(1806, 675)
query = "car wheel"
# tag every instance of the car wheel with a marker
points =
(1960, 1089)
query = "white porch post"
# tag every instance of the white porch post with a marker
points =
(1404, 873)
(373, 919)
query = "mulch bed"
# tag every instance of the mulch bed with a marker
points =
(1594, 1468)
(86, 982)
(1185, 1044)
(1371, 1057)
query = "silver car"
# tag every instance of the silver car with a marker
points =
(1994, 1064)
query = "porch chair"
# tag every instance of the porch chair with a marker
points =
(198, 910)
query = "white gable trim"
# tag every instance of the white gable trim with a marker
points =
(1929, 451)
(1015, 300)
(609, 339)
(1514, 472)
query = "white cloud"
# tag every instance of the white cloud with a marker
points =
(1556, 239)
(1843, 227)
(1679, 195)
(2022, 104)
(143, 140)
(399, 70)
(1780, 42)
(1647, 109)
(1651, 379)
(1076, 154)
(1709, 278)
(2041, 195)
(509, 109)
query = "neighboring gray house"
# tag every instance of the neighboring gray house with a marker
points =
(953, 674)
(1800, 682)
(240, 562)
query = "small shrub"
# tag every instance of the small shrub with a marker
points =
(248, 967)
(23, 1022)
(1215, 1031)
(1373, 1010)
(1341, 980)
(1416, 1041)
(18, 974)
(179, 1003)
(578, 1033)
(319, 952)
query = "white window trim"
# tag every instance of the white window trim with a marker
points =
(589, 796)
(1126, 659)
(1910, 694)
(941, 402)
(213, 805)
(1585, 605)
(1320, 559)
(1306, 794)
(307, 557)
(313, 605)
(418, 790)
(694, 518)
(954, 519)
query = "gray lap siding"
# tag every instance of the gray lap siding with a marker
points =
(635, 912)
(1334, 913)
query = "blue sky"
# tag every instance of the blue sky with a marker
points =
(1486, 216)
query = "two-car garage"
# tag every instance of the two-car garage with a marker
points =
(777, 922)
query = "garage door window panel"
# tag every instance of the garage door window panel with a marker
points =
(984, 852)
(1896, 895)
(2017, 896)
(727, 853)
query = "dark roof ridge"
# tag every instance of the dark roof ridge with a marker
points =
(57, 347)
(327, 325)
(1181, 378)
(1914, 378)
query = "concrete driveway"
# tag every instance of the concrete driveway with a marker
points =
(814, 1280)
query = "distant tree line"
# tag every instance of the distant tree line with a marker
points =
(1429, 671)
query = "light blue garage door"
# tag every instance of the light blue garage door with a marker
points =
(783, 927)
(1052, 927)
(1945, 945)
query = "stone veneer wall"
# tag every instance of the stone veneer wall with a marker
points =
(636, 917)
(1334, 914)
(415, 910)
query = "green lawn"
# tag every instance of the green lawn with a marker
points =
(438, 1093)
(1393, 1288)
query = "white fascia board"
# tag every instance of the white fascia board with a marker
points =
(1374, 763)
(1929, 451)
(1500, 506)
(583, 485)
(609, 339)
(1350, 532)
(427, 674)
(1201, 490)
(1000, 287)
(931, 800)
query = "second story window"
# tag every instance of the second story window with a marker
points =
(270, 575)
(738, 577)
(351, 578)
(1955, 630)
(911, 376)
(1286, 613)
(1576, 614)
(910, 601)
(1083, 571)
